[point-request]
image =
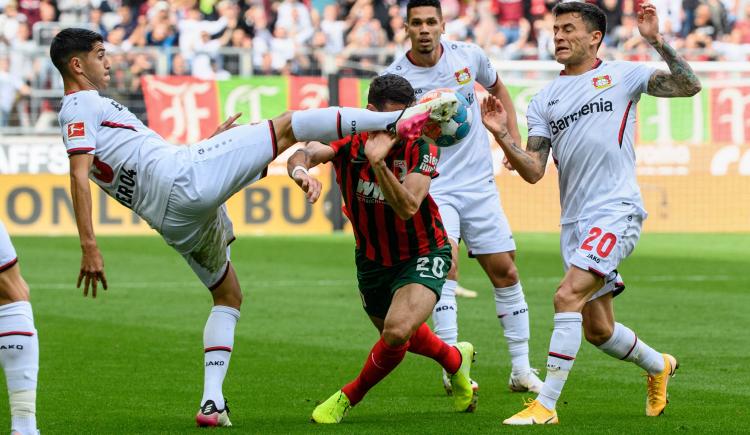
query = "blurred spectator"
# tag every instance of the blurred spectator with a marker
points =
(9, 21)
(10, 88)
(333, 29)
(180, 66)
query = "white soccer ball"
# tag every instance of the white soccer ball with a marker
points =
(447, 133)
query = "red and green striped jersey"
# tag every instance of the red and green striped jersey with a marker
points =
(381, 235)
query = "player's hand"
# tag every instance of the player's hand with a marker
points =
(226, 125)
(494, 117)
(309, 184)
(648, 22)
(378, 146)
(507, 164)
(92, 271)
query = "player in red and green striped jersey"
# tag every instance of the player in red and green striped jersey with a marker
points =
(402, 254)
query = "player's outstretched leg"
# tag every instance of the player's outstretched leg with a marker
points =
(218, 343)
(19, 355)
(456, 360)
(333, 123)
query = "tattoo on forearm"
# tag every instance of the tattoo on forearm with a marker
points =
(681, 81)
(541, 146)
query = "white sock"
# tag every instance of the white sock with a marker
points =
(625, 345)
(563, 347)
(513, 312)
(19, 356)
(445, 314)
(333, 123)
(218, 341)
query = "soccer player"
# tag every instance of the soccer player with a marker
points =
(180, 191)
(402, 253)
(19, 345)
(586, 118)
(465, 191)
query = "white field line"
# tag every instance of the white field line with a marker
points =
(352, 282)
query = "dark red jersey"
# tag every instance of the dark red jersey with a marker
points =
(381, 235)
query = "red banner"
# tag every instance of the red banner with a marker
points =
(730, 111)
(181, 109)
(308, 93)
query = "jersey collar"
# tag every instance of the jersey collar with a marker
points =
(593, 67)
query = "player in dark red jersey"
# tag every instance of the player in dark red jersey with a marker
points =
(402, 254)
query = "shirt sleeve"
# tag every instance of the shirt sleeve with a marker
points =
(79, 122)
(536, 120)
(636, 78)
(343, 146)
(424, 159)
(486, 73)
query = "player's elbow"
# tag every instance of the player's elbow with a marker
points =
(694, 89)
(406, 212)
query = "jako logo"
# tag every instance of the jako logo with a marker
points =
(593, 107)
(215, 363)
(12, 346)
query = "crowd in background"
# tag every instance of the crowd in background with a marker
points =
(211, 39)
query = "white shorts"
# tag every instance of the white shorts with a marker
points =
(477, 218)
(196, 223)
(598, 244)
(8, 255)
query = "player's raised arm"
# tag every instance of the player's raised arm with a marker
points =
(680, 81)
(309, 156)
(92, 263)
(530, 163)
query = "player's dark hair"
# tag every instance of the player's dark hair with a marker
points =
(421, 3)
(71, 42)
(390, 88)
(592, 15)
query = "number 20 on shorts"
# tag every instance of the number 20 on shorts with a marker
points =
(606, 243)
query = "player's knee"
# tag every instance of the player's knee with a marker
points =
(506, 276)
(396, 335)
(597, 333)
(566, 299)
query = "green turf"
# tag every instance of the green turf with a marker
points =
(131, 360)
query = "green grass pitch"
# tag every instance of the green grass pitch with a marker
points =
(131, 360)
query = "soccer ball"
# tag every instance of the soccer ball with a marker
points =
(447, 133)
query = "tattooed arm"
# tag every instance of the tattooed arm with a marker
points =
(681, 80)
(530, 163)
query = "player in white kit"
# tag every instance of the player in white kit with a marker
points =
(465, 191)
(586, 118)
(181, 190)
(19, 345)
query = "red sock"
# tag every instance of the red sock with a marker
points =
(381, 361)
(425, 342)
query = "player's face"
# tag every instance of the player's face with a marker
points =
(95, 65)
(424, 27)
(574, 42)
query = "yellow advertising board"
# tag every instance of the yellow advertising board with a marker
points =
(40, 204)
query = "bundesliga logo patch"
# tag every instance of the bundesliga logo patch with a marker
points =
(463, 76)
(602, 82)
(76, 130)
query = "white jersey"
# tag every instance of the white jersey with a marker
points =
(590, 119)
(461, 65)
(132, 163)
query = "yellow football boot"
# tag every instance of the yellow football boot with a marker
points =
(535, 413)
(332, 410)
(656, 399)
